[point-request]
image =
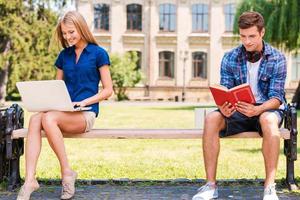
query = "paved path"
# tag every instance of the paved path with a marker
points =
(155, 192)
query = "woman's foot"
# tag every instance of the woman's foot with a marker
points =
(27, 189)
(68, 186)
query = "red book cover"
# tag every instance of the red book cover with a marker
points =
(241, 92)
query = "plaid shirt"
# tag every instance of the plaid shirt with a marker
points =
(271, 74)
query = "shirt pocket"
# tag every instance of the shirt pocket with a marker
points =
(264, 83)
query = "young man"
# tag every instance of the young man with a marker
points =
(264, 68)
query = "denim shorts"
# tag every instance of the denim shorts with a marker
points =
(238, 123)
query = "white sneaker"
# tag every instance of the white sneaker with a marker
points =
(270, 192)
(206, 192)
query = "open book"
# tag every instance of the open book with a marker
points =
(241, 92)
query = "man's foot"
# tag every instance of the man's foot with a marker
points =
(68, 186)
(270, 192)
(27, 189)
(206, 192)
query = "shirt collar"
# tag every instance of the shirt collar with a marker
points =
(88, 48)
(70, 49)
(267, 49)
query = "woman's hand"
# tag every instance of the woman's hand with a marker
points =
(80, 104)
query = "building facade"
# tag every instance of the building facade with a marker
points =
(180, 43)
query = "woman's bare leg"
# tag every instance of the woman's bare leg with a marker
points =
(54, 123)
(32, 152)
(33, 146)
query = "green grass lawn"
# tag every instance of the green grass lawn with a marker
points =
(153, 159)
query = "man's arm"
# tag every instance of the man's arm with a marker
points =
(226, 80)
(226, 73)
(277, 82)
(251, 110)
(275, 94)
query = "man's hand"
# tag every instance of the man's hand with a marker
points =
(247, 109)
(227, 109)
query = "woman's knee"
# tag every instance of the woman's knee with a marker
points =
(35, 124)
(49, 119)
(36, 119)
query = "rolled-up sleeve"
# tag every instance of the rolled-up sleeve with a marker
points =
(278, 79)
(59, 61)
(226, 72)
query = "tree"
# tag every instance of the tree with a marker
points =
(26, 29)
(124, 73)
(282, 25)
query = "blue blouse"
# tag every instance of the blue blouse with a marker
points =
(82, 78)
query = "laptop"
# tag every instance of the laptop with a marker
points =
(39, 96)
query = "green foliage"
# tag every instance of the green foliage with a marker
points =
(281, 20)
(124, 73)
(29, 29)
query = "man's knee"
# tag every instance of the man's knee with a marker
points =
(269, 123)
(215, 119)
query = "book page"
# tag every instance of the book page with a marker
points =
(220, 87)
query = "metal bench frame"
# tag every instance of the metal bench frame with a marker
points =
(12, 136)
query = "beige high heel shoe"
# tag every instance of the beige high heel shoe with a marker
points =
(25, 191)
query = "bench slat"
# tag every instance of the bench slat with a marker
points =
(148, 134)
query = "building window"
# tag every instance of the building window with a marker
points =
(199, 65)
(167, 17)
(200, 18)
(134, 17)
(139, 59)
(166, 64)
(295, 67)
(101, 16)
(229, 12)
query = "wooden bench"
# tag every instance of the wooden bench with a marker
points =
(15, 134)
(148, 134)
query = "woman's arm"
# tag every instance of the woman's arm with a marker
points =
(59, 74)
(105, 92)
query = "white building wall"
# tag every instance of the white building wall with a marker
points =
(150, 41)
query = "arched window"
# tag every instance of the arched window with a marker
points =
(199, 65)
(229, 12)
(200, 18)
(167, 17)
(134, 17)
(166, 64)
(101, 17)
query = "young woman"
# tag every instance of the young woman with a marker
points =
(81, 64)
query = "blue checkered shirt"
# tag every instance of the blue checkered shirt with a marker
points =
(271, 74)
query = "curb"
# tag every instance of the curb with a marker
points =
(127, 181)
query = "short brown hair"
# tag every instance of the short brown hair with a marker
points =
(249, 19)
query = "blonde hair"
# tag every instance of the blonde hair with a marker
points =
(75, 18)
